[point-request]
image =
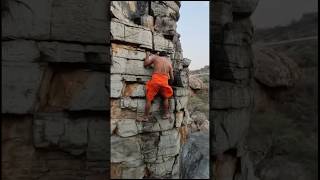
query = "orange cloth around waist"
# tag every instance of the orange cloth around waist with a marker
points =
(158, 83)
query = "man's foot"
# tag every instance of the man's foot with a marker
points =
(143, 119)
(166, 116)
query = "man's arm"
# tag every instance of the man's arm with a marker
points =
(148, 60)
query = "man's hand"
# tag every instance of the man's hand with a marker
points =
(148, 61)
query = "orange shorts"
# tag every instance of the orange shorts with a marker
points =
(158, 83)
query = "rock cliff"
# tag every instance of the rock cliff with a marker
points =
(54, 96)
(231, 90)
(148, 149)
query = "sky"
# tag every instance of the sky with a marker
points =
(193, 26)
(283, 11)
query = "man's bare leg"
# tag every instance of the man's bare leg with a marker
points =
(147, 108)
(166, 108)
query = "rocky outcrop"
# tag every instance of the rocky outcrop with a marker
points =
(231, 90)
(196, 83)
(145, 149)
(54, 75)
(275, 69)
(195, 157)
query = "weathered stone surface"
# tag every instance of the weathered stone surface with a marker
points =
(124, 149)
(83, 91)
(92, 96)
(28, 21)
(159, 9)
(127, 127)
(161, 169)
(187, 119)
(134, 172)
(20, 98)
(134, 78)
(186, 62)
(129, 103)
(137, 28)
(233, 56)
(230, 128)
(222, 13)
(173, 5)
(275, 69)
(179, 118)
(244, 7)
(97, 134)
(196, 83)
(156, 123)
(166, 25)
(46, 46)
(134, 90)
(169, 144)
(162, 44)
(181, 102)
(67, 52)
(128, 11)
(127, 52)
(229, 95)
(135, 67)
(147, 21)
(195, 157)
(118, 65)
(279, 168)
(149, 146)
(179, 91)
(131, 33)
(116, 85)
(91, 26)
(56, 130)
(20, 51)
(200, 120)
(75, 136)
(239, 32)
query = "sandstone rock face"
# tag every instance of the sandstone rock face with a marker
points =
(232, 87)
(145, 149)
(274, 69)
(195, 157)
(55, 69)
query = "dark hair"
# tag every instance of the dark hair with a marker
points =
(163, 53)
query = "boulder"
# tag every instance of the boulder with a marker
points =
(195, 157)
(275, 69)
(200, 120)
(195, 83)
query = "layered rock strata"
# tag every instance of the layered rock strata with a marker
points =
(55, 69)
(231, 88)
(145, 149)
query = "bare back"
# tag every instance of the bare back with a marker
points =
(162, 65)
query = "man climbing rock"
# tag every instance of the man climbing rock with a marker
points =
(158, 84)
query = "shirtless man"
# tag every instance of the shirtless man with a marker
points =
(158, 83)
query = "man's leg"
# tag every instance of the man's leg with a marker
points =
(147, 108)
(166, 108)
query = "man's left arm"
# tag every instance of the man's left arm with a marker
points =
(148, 60)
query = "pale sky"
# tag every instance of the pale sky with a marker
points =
(193, 26)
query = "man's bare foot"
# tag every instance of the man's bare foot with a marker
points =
(143, 119)
(166, 116)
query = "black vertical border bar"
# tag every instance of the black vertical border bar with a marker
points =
(211, 60)
(107, 86)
